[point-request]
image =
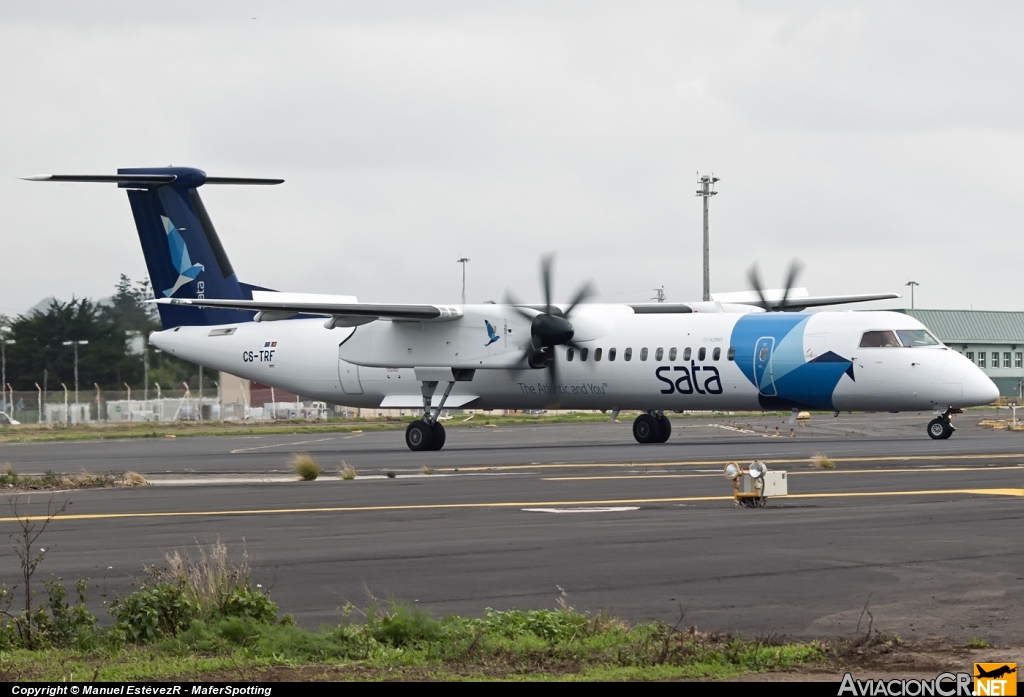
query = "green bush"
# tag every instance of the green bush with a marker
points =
(403, 626)
(249, 603)
(153, 611)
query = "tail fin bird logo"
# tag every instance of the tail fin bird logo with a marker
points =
(491, 334)
(187, 271)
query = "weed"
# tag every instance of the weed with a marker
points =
(390, 474)
(346, 471)
(306, 466)
(822, 461)
(134, 479)
(428, 470)
(976, 643)
(209, 587)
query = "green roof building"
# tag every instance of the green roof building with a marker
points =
(993, 340)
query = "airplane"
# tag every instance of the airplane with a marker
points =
(753, 352)
(995, 672)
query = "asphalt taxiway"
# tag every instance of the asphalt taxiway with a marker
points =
(924, 534)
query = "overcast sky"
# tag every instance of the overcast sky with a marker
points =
(879, 142)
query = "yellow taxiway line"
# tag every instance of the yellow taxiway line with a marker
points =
(506, 504)
(696, 463)
(790, 472)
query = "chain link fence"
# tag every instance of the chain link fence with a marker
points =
(155, 405)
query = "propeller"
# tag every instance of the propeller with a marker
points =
(551, 327)
(795, 267)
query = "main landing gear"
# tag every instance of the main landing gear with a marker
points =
(652, 427)
(428, 434)
(941, 427)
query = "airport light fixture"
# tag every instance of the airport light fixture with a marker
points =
(757, 470)
(732, 470)
(706, 191)
(76, 344)
(3, 362)
(912, 284)
(463, 261)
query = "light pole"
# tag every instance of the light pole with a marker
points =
(3, 362)
(706, 191)
(463, 261)
(912, 284)
(76, 344)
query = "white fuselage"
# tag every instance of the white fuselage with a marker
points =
(675, 361)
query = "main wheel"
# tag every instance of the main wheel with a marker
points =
(646, 429)
(419, 436)
(939, 429)
(664, 428)
(437, 430)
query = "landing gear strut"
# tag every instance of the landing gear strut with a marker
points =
(941, 427)
(428, 434)
(652, 427)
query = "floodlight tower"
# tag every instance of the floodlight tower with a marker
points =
(706, 191)
(912, 284)
(463, 261)
(76, 344)
(4, 341)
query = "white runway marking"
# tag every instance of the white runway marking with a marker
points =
(584, 509)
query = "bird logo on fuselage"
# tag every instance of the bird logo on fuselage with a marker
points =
(491, 334)
(187, 271)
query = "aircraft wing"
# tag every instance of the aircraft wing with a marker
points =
(345, 314)
(798, 298)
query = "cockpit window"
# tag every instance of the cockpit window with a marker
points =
(916, 337)
(878, 339)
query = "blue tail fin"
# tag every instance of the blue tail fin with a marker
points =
(183, 252)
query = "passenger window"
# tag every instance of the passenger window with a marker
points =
(878, 339)
(716, 354)
(764, 354)
(611, 354)
(583, 353)
(916, 337)
(672, 353)
(659, 354)
(686, 353)
(701, 352)
(597, 354)
(627, 355)
(643, 354)
(731, 353)
(569, 354)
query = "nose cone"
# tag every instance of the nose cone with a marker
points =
(979, 389)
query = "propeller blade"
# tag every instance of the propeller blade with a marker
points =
(585, 291)
(553, 378)
(755, 282)
(514, 303)
(795, 267)
(545, 277)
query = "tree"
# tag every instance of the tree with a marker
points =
(40, 338)
(129, 307)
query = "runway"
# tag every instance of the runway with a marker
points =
(927, 533)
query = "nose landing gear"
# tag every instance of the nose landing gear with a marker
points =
(941, 427)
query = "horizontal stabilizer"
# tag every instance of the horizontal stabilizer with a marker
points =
(178, 177)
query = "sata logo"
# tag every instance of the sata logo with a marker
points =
(687, 380)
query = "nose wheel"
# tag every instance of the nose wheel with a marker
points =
(941, 428)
